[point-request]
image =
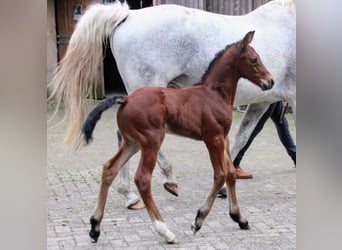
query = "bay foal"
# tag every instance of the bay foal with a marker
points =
(202, 112)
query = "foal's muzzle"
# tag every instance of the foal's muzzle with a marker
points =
(267, 84)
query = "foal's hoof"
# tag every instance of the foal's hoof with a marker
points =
(93, 233)
(195, 229)
(171, 187)
(174, 241)
(244, 225)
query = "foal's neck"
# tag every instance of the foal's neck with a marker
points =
(223, 77)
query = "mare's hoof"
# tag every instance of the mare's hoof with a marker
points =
(171, 187)
(244, 225)
(138, 205)
(174, 241)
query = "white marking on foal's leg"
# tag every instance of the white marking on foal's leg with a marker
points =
(163, 231)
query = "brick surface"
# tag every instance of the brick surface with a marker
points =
(268, 200)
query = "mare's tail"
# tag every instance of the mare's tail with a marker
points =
(79, 71)
(95, 115)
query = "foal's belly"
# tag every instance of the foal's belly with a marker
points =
(183, 131)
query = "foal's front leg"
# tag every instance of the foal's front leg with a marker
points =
(234, 210)
(216, 152)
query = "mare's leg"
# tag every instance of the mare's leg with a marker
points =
(252, 115)
(166, 168)
(216, 152)
(142, 179)
(124, 187)
(234, 210)
(109, 172)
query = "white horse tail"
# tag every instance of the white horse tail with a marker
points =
(78, 72)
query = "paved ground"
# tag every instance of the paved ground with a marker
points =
(268, 200)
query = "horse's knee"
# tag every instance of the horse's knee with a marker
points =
(231, 176)
(143, 184)
(220, 178)
(231, 173)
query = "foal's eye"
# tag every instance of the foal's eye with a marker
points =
(254, 61)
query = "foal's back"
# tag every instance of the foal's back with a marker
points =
(176, 111)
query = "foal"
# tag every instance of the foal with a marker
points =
(202, 112)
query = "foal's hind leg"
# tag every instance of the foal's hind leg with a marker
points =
(216, 151)
(109, 172)
(234, 210)
(142, 179)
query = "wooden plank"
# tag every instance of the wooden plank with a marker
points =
(216, 6)
(242, 7)
(209, 6)
(226, 7)
(249, 6)
(201, 4)
(220, 6)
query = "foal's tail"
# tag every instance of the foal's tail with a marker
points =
(79, 71)
(95, 115)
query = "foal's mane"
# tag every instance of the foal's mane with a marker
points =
(213, 61)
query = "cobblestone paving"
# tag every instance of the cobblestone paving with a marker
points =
(268, 200)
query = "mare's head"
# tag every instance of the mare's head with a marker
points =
(250, 65)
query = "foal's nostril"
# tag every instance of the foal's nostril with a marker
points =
(271, 82)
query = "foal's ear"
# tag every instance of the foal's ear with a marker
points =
(248, 37)
(246, 40)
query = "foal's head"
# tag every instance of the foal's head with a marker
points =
(250, 65)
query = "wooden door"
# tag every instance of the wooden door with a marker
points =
(67, 14)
